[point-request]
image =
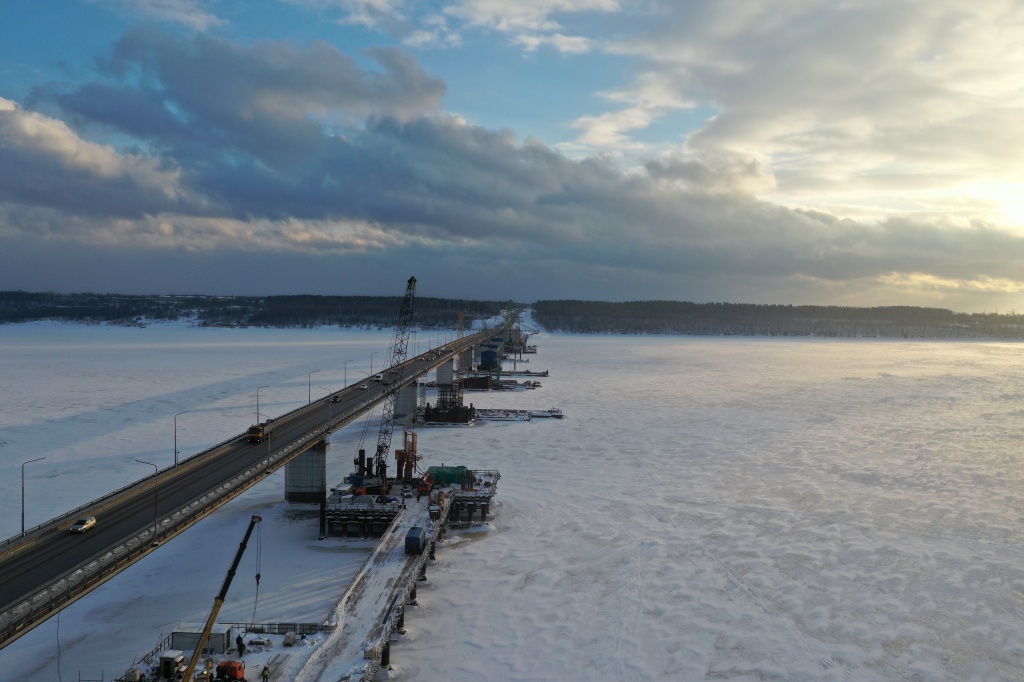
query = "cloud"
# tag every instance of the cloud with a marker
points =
(261, 156)
(189, 13)
(835, 101)
(561, 43)
(268, 100)
(46, 163)
(523, 16)
(532, 24)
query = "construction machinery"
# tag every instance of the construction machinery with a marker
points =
(392, 382)
(218, 601)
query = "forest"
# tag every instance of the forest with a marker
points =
(240, 311)
(743, 319)
(573, 316)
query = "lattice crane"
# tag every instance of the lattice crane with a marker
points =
(392, 383)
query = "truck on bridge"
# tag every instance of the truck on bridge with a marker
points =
(260, 432)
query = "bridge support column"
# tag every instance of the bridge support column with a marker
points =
(445, 372)
(405, 406)
(385, 655)
(466, 358)
(305, 477)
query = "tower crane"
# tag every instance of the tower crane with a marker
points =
(392, 381)
(510, 317)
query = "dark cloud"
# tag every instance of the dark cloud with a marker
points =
(279, 169)
(270, 101)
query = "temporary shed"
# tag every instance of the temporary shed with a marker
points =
(186, 637)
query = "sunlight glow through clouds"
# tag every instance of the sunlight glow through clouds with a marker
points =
(917, 281)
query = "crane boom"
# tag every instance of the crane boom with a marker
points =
(392, 381)
(218, 602)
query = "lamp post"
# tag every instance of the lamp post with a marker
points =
(258, 402)
(346, 372)
(176, 437)
(156, 490)
(23, 491)
(309, 386)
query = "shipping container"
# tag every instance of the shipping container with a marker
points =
(449, 475)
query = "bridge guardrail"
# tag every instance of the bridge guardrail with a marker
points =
(57, 520)
(94, 571)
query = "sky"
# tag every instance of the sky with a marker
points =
(800, 151)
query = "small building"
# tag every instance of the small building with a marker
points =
(186, 636)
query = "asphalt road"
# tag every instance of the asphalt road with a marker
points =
(39, 561)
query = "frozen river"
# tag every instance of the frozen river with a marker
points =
(727, 509)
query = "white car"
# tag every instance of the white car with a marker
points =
(363, 387)
(83, 524)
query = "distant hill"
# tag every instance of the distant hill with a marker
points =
(240, 311)
(580, 317)
(742, 319)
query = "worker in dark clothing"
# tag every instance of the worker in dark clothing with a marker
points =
(241, 646)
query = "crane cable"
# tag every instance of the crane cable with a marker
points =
(259, 562)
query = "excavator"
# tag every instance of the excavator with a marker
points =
(218, 601)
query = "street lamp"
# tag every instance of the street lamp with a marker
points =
(258, 402)
(309, 386)
(156, 490)
(176, 437)
(346, 372)
(23, 491)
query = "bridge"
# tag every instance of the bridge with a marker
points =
(47, 568)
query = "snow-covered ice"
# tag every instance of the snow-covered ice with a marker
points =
(710, 508)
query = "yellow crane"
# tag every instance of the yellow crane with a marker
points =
(218, 602)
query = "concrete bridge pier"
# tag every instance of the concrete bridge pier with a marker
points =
(446, 372)
(405, 406)
(466, 358)
(305, 477)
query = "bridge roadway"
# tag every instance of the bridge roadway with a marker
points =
(49, 567)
